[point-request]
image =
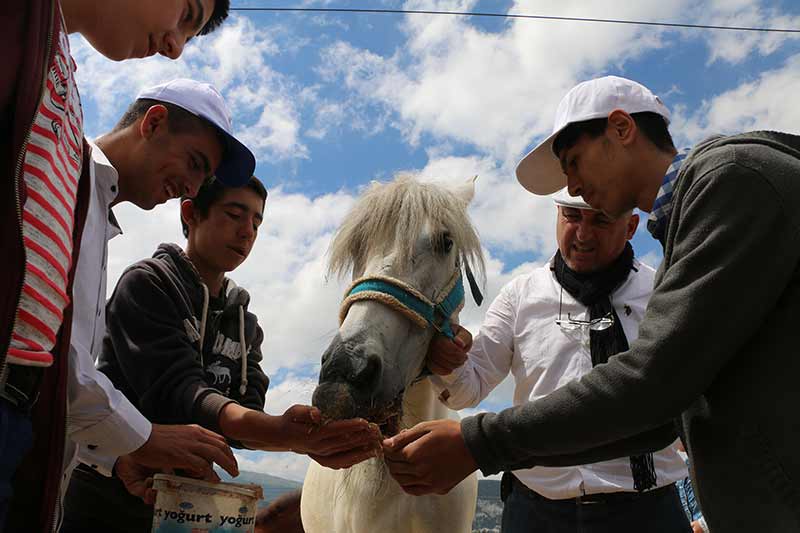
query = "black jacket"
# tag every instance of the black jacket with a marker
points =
(151, 350)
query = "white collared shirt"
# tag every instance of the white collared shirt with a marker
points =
(100, 419)
(519, 334)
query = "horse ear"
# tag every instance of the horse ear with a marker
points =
(466, 191)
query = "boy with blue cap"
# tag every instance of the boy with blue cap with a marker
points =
(175, 139)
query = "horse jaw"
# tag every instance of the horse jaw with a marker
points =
(420, 404)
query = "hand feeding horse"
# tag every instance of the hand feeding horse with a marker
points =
(405, 243)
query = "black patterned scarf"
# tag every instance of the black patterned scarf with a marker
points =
(593, 290)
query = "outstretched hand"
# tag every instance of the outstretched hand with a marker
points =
(190, 448)
(445, 355)
(430, 458)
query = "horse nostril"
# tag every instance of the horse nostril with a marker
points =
(366, 371)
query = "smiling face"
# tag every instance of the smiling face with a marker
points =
(221, 239)
(163, 164)
(126, 29)
(589, 240)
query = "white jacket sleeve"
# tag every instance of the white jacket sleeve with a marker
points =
(100, 418)
(489, 360)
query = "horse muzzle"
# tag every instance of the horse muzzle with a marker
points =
(353, 383)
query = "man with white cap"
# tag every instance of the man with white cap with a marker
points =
(717, 347)
(549, 327)
(172, 139)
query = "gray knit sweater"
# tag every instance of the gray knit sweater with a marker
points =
(718, 350)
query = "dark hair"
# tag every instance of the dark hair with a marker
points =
(178, 119)
(218, 16)
(652, 125)
(212, 191)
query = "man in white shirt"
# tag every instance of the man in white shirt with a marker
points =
(550, 327)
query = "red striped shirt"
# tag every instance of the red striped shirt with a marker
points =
(50, 173)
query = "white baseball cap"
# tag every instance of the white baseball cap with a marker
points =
(563, 199)
(204, 101)
(540, 171)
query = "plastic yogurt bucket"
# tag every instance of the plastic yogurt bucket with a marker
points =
(185, 505)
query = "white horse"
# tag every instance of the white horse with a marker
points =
(405, 243)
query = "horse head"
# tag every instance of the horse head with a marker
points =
(405, 243)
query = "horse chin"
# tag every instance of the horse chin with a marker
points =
(391, 426)
(336, 401)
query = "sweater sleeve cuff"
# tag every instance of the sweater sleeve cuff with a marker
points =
(207, 410)
(478, 444)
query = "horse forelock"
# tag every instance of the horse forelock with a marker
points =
(388, 217)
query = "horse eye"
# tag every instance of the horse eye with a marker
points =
(444, 244)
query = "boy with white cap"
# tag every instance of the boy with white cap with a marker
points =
(717, 348)
(44, 187)
(549, 327)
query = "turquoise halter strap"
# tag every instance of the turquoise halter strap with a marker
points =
(409, 301)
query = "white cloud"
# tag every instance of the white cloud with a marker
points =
(495, 91)
(294, 389)
(142, 232)
(235, 59)
(765, 102)
(735, 46)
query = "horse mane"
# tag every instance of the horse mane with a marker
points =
(388, 214)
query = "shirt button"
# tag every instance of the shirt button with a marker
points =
(113, 188)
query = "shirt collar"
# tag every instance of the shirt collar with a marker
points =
(662, 207)
(105, 179)
(106, 176)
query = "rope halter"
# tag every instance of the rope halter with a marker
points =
(408, 301)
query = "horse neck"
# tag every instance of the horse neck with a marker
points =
(420, 404)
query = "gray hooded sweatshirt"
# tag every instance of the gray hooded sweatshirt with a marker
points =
(718, 353)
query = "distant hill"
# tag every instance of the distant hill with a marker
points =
(273, 486)
(487, 513)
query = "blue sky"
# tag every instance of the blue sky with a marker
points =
(330, 102)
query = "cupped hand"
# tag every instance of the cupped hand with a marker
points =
(336, 444)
